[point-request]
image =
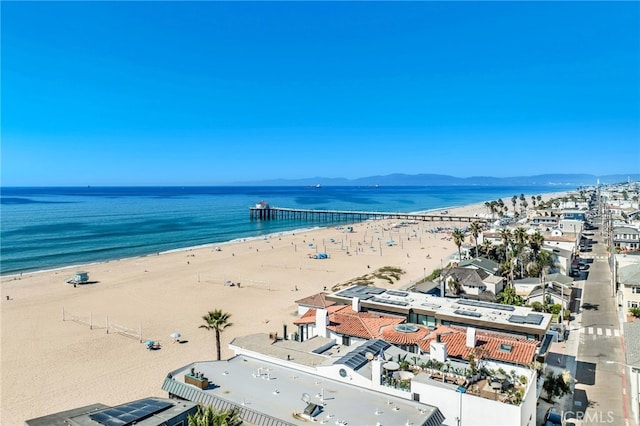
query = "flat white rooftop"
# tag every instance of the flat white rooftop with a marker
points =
(269, 393)
(465, 311)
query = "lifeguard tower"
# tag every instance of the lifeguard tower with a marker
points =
(80, 277)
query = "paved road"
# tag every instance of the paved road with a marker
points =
(599, 396)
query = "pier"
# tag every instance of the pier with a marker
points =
(266, 212)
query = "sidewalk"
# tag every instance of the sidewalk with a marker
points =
(562, 356)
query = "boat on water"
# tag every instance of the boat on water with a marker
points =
(315, 186)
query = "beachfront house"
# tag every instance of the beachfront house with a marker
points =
(318, 380)
(344, 323)
(315, 301)
(285, 383)
(430, 311)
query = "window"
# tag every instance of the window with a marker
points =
(504, 347)
(346, 340)
(633, 304)
(635, 290)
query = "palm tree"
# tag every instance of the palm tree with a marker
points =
(475, 229)
(487, 246)
(207, 416)
(514, 200)
(458, 239)
(535, 242)
(508, 296)
(520, 235)
(217, 321)
(533, 200)
(505, 234)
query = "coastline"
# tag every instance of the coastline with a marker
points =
(167, 227)
(170, 292)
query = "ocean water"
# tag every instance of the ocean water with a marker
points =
(46, 228)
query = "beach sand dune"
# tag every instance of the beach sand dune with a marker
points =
(50, 365)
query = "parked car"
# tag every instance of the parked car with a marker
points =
(552, 417)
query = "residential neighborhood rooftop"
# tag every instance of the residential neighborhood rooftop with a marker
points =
(277, 395)
(489, 315)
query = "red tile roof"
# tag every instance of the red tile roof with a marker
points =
(391, 335)
(318, 300)
(366, 325)
(344, 320)
(309, 317)
(487, 346)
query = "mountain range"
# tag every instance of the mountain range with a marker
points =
(399, 179)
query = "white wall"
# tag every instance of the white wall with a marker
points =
(477, 411)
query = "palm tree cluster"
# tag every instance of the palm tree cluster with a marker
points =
(520, 255)
(207, 416)
(500, 208)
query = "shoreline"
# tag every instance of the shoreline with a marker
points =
(258, 237)
(166, 293)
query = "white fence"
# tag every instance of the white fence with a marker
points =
(109, 326)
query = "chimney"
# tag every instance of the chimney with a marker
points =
(322, 320)
(438, 350)
(355, 304)
(471, 337)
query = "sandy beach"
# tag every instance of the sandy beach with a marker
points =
(50, 365)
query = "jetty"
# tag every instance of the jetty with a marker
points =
(263, 211)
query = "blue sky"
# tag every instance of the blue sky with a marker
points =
(197, 93)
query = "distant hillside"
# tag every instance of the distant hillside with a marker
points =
(399, 179)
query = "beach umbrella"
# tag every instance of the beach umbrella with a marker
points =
(175, 335)
(149, 342)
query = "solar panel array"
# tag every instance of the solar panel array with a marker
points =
(467, 313)
(389, 301)
(357, 358)
(533, 319)
(397, 293)
(128, 414)
(361, 291)
(489, 305)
